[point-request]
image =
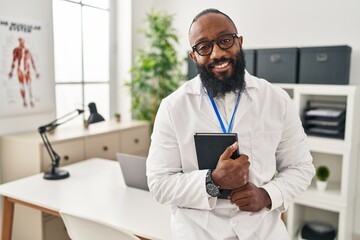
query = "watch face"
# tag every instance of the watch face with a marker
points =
(212, 190)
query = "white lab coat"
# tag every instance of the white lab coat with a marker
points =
(269, 132)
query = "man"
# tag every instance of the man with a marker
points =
(275, 164)
(22, 59)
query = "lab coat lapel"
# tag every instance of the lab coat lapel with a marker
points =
(246, 99)
(244, 106)
(205, 109)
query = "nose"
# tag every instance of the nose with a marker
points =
(217, 52)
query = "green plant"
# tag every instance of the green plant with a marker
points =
(117, 116)
(156, 71)
(322, 173)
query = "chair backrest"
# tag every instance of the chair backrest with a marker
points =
(81, 228)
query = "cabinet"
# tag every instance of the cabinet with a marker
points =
(24, 154)
(336, 204)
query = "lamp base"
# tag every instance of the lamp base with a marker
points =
(56, 174)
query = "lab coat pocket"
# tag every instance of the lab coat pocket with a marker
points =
(247, 223)
(245, 147)
(186, 215)
(264, 145)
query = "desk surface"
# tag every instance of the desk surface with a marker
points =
(96, 189)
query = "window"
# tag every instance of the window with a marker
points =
(81, 49)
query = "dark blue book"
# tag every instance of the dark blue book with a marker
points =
(209, 148)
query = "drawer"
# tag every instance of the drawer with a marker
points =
(70, 152)
(102, 146)
(134, 140)
(142, 153)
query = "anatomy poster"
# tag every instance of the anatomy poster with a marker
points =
(26, 83)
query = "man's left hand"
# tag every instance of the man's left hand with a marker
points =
(250, 198)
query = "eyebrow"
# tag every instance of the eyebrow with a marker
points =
(203, 39)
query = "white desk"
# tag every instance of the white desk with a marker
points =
(96, 189)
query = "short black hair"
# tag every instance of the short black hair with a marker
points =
(210, 10)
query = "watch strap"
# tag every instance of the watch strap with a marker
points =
(209, 182)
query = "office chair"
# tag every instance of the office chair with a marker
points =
(81, 228)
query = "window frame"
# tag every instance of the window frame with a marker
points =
(112, 95)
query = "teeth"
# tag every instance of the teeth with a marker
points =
(221, 65)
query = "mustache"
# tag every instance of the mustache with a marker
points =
(228, 84)
(221, 60)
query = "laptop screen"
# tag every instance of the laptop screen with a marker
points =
(134, 170)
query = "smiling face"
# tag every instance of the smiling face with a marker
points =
(223, 70)
(210, 27)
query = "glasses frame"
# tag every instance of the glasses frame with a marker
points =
(234, 35)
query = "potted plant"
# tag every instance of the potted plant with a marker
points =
(117, 116)
(156, 70)
(322, 174)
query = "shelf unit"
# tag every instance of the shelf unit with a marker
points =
(24, 154)
(336, 204)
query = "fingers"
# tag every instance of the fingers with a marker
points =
(229, 151)
(248, 198)
(243, 170)
(243, 160)
(229, 173)
(240, 193)
(242, 200)
(232, 174)
(232, 194)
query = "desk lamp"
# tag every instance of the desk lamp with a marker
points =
(54, 173)
(94, 115)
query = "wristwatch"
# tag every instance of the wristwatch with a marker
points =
(211, 188)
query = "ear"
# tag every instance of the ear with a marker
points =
(193, 56)
(240, 40)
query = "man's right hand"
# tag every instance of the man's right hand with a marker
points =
(231, 173)
(10, 75)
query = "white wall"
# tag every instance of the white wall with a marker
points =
(38, 10)
(275, 23)
(41, 11)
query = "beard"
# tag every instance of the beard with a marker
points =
(219, 87)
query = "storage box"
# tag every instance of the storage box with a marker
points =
(325, 65)
(250, 59)
(277, 65)
(192, 70)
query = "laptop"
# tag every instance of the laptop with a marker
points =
(134, 170)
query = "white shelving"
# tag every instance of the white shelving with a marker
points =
(336, 204)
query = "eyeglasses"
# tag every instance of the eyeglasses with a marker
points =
(224, 42)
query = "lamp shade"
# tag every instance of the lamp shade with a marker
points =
(94, 115)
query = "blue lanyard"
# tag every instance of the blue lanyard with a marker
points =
(218, 114)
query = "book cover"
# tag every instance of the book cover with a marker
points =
(210, 146)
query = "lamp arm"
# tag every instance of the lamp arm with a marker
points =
(54, 124)
(55, 158)
(55, 173)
